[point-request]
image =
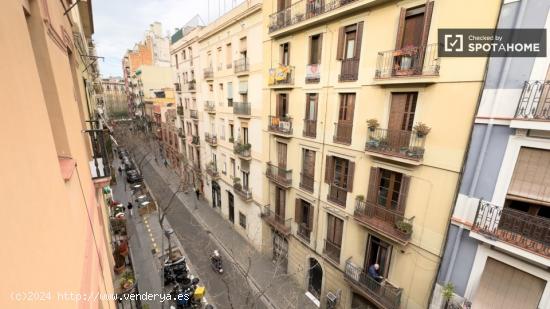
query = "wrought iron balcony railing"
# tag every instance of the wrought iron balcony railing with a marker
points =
(241, 65)
(195, 140)
(208, 73)
(304, 231)
(191, 85)
(342, 132)
(383, 293)
(310, 128)
(387, 222)
(180, 110)
(332, 251)
(283, 75)
(337, 195)
(210, 106)
(303, 10)
(406, 144)
(243, 191)
(212, 170)
(408, 61)
(276, 220)
(534, 102)
(279, 124)
(514, 227)
(279, 175)
(211, 139)
(242, 150)
(177, 86)
(242, 108)
(349, 70)
(194, 114)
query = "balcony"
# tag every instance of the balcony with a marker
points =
(242, 109)
(514, 227)
(208, 73)
(279, 175)
(408, 145)
(191, 86)
(210, 107)
(342, 132)
(194, 114)
(310, 128)
(211, 139)
(177, 86)
(337, 195)
(195, 140)
(349, 70)
(242, 191)
(389, 223)
(212, 170)
(306, 182)
(180, 110)
(304, 232)
(313, 73)
(181, 134)
(280, 125)
(241, 66)
(281, 76)
(383, 294)
(99, 164)
(534, 102)
(242, 150)
(421, 61)
(276, 221)
(332, 251)
(301, 11)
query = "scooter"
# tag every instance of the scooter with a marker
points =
(216, 262)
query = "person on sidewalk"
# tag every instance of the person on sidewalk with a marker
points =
(131, 208)
(198, 193)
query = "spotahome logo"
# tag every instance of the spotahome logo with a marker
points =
(491, 42)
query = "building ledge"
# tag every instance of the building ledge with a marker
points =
(67, 165)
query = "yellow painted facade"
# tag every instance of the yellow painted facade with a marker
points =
(445, 100)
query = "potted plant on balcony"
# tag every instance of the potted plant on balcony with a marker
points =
(237, 183)
(231, 139)
(372, 124)
(404, 227)
(448, 293)
(123, 248)
(127, 281)
(421, 129)
(360, 198)
(120, 262)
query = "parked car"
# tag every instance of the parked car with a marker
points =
(122, 153)
(132, 176)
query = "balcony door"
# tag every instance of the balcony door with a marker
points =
(280, 202)
(378, 252)
(282, 105)
(333, 244)
(310, 119)
(283, 16)
(315, 279)
(401, 121)
(281, 155)
(285, 54)
(345, 118)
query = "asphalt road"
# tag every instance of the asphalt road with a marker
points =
(227, 290)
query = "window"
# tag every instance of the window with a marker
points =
(245, 180)
(245, 135)
(402, 111)
(315, 49)
(344, 127)
(210, 87)
(282, 105)
(308, 169)
(243, 47)
(378, 252)
(285, 53)
(231, 130)
(176, 59)
(388, 189)
(310, 119)
(183, 55)
(229, 94)
(242, 220)
(228, 55)
(232, 164)
(349, 46)
(333, 243)
(224, 159)
(303, 216)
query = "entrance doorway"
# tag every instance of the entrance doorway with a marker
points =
(231, 204)
(280, 251)
(315, 278)
(216, 195)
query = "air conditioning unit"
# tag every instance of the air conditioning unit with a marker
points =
(332, 300)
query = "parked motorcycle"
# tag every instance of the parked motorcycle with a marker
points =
(189, 296)
(176, 272)
(216, 262)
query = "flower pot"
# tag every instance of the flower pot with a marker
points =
(372, 129)
(420, 135)
(119, 270)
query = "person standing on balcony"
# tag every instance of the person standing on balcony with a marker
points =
(374, 274)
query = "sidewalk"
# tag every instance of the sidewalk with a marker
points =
(280, 292)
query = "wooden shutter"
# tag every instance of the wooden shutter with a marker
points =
(298, 211)
(351, 172)
(427, 22)
(358, 39)
(319, 48)
(338, 231)
(329, 172)
(400, 29)
(340, 47)
(310, 217)
(373, 185)
(403, 191)
(529, 181)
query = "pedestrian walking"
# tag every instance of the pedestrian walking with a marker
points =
(120, 170)
(131, 208)
(165, 163)
(198, 193)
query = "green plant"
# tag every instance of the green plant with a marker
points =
(422, 129)
(447, 293)
(246, 146)
(372, 124)
(360, 197)
(404, 227)
(231, 139)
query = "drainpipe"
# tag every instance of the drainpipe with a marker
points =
(483, 151)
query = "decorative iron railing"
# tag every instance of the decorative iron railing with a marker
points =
(406, 144)
(512, 226)
(304, 231)
(208, 73)
(209, 106)
(241, 190)
(337, 195)
(310, 128)
(349, 70)
(342, 132)
(211, 139)
(242, 108)
(408, 61)
(534, 102)
(306, 181)
(276, 220)
(194, 114)
(280, 124)
(279, 175)
(241, 65)
(332, 250)
(241, 149)
(389, 222)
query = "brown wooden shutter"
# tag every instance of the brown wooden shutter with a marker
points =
(340, 47)
(373, 185)
(400, 29)
(319, 48)
(329, 172)
(427, 22)
(351, 173)
(358, 39)
(310, 217)
(403, 191)
(298, 211)
(338, 231)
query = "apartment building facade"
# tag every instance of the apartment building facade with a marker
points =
(114, 96)
(366, 131)
(57, 236)
(498, 247)
(230, 105)
(184, 51)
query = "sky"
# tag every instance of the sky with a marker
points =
(119, 24)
